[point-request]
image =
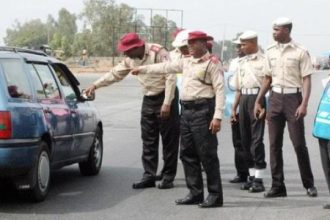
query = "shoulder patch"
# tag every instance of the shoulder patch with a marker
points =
(301, 47)
(155, 48)
(271, 46)
(214, 59)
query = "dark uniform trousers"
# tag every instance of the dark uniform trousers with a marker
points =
(252, 132)
(282, 108)
(325, 158)
(151, 126)
(239, 154)
(199, 146)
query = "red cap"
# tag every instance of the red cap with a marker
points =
(199, 35)
(129, 41)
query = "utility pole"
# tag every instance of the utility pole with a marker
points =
(223, 42)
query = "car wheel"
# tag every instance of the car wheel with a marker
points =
(41, 174)
(93, 165)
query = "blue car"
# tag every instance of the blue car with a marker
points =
(45, 121)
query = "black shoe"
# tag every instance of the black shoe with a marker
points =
(190, 200)
(312, 191)
(326, 206)
(257, 186)
(144, 184)
(248, 184)
(211, 201)
(238, 179)
(165, 184)
(276, 192)
(159, 177)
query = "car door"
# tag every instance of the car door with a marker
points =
(83, 118)
(56, 112)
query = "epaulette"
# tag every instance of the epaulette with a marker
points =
(271, 46)
(300, 46)
(262, 55)
(155, 48)
(214, 59)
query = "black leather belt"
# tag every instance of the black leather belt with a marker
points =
(196, 104)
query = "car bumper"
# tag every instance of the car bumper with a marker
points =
(17, 157)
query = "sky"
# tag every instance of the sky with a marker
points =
(222, 19)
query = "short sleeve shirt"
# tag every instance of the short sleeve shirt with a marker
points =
(288, 63)
(251, 70)
(151, 84)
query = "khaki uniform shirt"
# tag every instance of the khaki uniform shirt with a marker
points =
(175, 54)
(152, 84)
(251, 71)
(197, 83)
(289, 63)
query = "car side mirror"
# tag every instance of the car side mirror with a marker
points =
(84, 97)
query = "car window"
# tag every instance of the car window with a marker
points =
(17, 81)
(68, 91)
(48, 81)
(39, 89)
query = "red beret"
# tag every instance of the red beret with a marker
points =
(129, 41)
(199, 35)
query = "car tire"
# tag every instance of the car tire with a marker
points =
(93, 165)
(41, 174)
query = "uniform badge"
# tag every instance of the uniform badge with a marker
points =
(155, 48)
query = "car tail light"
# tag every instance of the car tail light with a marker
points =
(5, 125)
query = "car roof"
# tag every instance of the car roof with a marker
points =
(31, 55)
(36, 56)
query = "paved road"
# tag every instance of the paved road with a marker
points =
(110, 196)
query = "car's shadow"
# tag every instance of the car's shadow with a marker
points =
(71, 193)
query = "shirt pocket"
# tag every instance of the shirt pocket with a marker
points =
(259, 70)
(273, 62)
(292, 62)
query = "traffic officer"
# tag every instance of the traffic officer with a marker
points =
(202, 104)
(242, 171)
(251, 72)
(181, 51)
(290, 82)
(159, 114)
(180, 44)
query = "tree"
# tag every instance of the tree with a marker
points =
(107, 21)
(64, 32)
(51, 28)
(161, 30)
(66, 24)
(32, 34)
(83, 41)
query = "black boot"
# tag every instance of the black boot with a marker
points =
(144, 184)
(212, 201)
(257, 186)
(190, 200)
(248, 184)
